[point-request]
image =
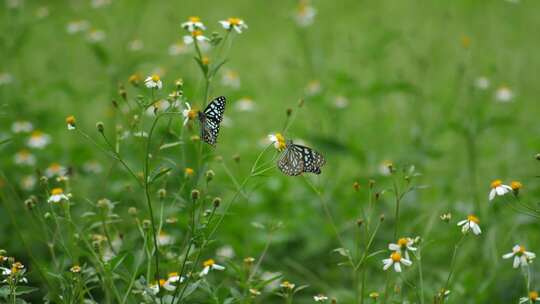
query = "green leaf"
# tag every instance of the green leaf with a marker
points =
(22, 290)
(5, 141)
(170, 145)
(160, 174)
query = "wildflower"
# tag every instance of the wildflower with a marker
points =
(42, 12)
(170, 283)
(443, 293)
(164, 239)
(245, 104)
(153, 81)
(374, 295)
(22, 126)
(386, 167)
(520, 255)
(75, 269)
(498, 188)
(5, 78)
(188, 113)
(205, 60)
(472, 223)
(24, 157)
(446, 217)
(230, 79)
(482, 83)
(504, 94)
(356, 186)
(516, 186)
(55, 169)
(70, 121)
(287, 285)
(92, 166)
(188, 172)
(404, 245)
(396, 260)
(341, 102)
(226, 251)
(38, 140)
(278, 140)
(320, 298)
(194, 23)
(28, 182)
(135, 45)
(135, 79)
(154, 288)
(313, 88)
(177, 48)
(57, 195)
(208, 265)
(195, 35)
(465, 41)
(234, 23)
(254, 292)
(77, 26)
(158, 106)
(96, 36)
(532, 297)
(100, 3)
(305, 14)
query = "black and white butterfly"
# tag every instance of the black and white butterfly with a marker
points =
(210, 119)
(297, 159)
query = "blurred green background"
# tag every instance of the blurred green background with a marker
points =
(398, 81)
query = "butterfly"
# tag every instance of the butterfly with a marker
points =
(297, 159)
(210, 119)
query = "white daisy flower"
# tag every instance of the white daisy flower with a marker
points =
(24, 157)
(504, 94)
(158, 106)
(482, 83)
(194, 23)
(5, 78)
(38, 140)
(520, 255)
(385, 167)
(55, 169)
(278, 140)
(153, 81)
(188, 113)
(341, 102)
(77, 26)
(403, 246)
(177, 48)
(498, 188)
(305, 14)
(230, 79)
(531, 298)
(313, 88)
(135, 45)
(28, 182)
(22, 126)
(320, 298)
(170, 283)
(234, 23)
(208, 265)
(225, 251)
(245, 104)
(96, 36)
(164, 239)
(195, 35)
(396, 259)
(57, 196)
(154, 288)
(471, 223)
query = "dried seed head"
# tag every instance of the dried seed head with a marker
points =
(216, 202)
(133, 211)
(114, 103)
(100, 127)
(377, 196)
(289, 112)
(146, 224)
(381, 217)
(236, 158)
(248, 261)
(359, 222)
(195, 194)
(537, 156)
(210, 175)
(44, 180)
(356, 186)
(162, 193)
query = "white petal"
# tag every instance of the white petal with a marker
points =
(218, 267)
(530, 255)
(516, 262)
(205, 271)
(394, 247)
(492, 194)
(476, 229)
(508, 255)
(461, 222)
(397, 267)
(188, 39)
(406, 262)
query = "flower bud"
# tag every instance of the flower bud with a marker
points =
(381, 217)
(162, 193)
(210, 175)
(359, 222)
(371, 184)
(132, 211)
(216, 202)
(195, 194)
(289, 112)
(538, 156)
(146, 224)
(236, 158)
(356, 186)
(100, 127)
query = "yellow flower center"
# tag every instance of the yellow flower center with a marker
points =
(57, 191)
(465, 41)
(402, 242)
(396, 257)
(496, 183)
(173, 274)
(155, 78)
(24, 153)
(516, 185)
(472, 218)
(194, 19)
(196, 33)
(189, 171)
(234, 21)
(521, 250)
(281, 141)
(36, 134)
(374, 295)
(209, 263)
(533, 295)
(162, 282)
(205, 60)
(70, 120)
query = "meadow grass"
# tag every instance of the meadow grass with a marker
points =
(417, 106)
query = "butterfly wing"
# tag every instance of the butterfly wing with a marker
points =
(290, 162)
(211, 118)
(311, 159)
